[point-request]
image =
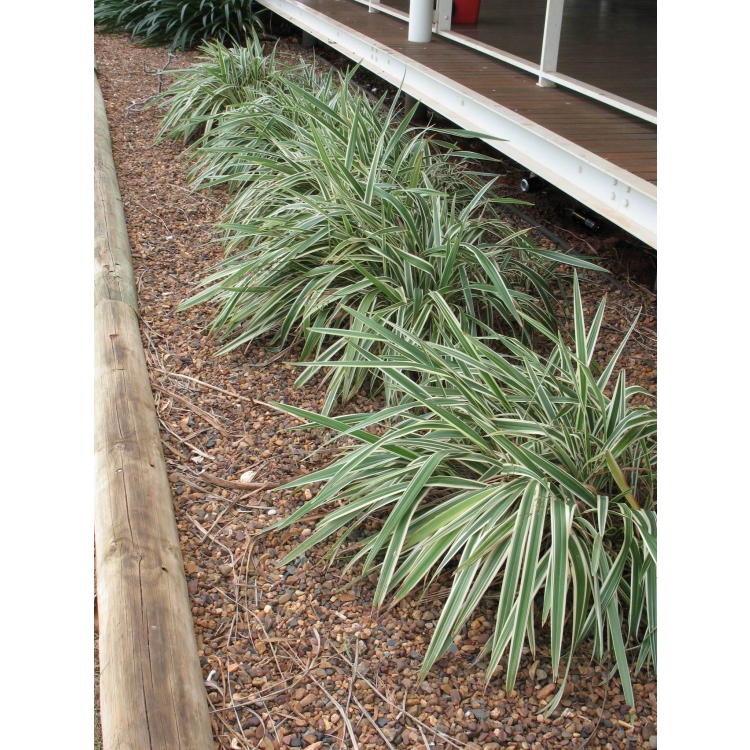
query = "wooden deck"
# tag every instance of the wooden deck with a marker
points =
(623, 140)
(607, 44)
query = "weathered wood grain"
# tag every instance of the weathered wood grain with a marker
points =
(151, 687)
(113, 267)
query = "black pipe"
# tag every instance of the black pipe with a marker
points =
(561, 243)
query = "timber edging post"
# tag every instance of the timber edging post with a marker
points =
(152, 693)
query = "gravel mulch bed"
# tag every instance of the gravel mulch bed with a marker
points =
(297, 656)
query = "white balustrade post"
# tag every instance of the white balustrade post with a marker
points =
(444, 12)
(420, 21)
(551, 40)
(373, 6)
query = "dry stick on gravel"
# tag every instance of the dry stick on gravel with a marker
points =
(184, 440)
(212, 538)
(427, 744)
(372, 721)
(282, 679)
(141, 102)
(156, 216)
(229, 506)
(387, 700)
(185, 479)
(193, 407)
(354, 671)
(208, 385)
(339, 707)
(166, 445)
(227, 485)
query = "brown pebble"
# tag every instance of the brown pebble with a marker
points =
(546, 691)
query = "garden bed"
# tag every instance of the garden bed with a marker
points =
(296, 656)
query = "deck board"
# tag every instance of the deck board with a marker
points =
(592, 125)
(607, 44)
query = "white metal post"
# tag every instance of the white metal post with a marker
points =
(443, 12)
(551, 40)
(420, 20)
(373, 6)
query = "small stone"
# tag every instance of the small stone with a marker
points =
(191, 568)
(226, 570)
(285, 598)
(479, 713)
(391, 733)
(541, 675)
(648, 730)
(248, 477)
(492, 746)
(652, 741)
(546, 691)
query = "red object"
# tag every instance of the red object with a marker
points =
(465, 11)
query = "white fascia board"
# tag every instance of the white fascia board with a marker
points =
(624, 198)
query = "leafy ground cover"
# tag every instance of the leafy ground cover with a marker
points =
(342, 204)
(343, 239)
(248, 609)
(177, 23)
(513, 463)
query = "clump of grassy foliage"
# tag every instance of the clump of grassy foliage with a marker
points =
(519, 466)
(369, 240)
(177, 23)
(225, 78)
(341, 203)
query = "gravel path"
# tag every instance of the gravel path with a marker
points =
(297, 657)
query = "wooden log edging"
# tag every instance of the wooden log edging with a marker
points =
(151, 687)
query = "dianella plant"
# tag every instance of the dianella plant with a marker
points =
(177, 23)
(527, 477)
(225, 78)
(347, 207)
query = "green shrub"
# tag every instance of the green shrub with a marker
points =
(516, 465)
(225, 78)
(347, 123)
(339, 204)
(177, 23)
